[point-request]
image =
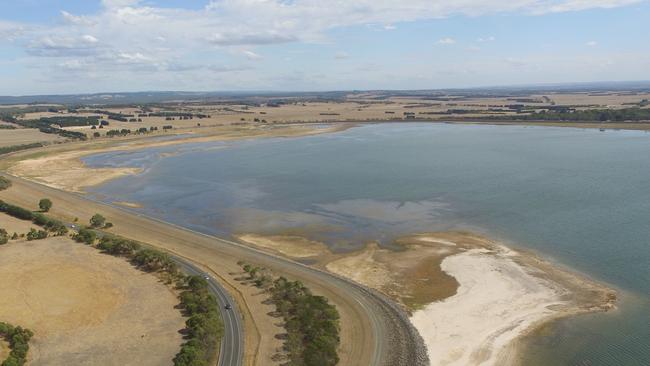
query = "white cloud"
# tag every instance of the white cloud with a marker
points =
(90, 39)
(73, 64)
(119, 3)
(577, 5)
(485, 39)
(127, 35)
(446, 41)
(136, 57)
(341, 55)
(10, 31)
(235, 38)
(75, 19)
(251, 55)
(62, 46)
(592, 43)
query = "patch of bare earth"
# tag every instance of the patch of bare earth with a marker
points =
(289, 245)
(412, 275)
(87, 308)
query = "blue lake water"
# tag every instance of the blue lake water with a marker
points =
(575, 196)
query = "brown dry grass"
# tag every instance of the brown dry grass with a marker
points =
(22, 136)
(86, 308)
(12, 224)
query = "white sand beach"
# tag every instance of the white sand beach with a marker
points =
(498, 300)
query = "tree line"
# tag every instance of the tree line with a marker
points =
(588, 115)
(49, 224)
(45, 125)
(311, 322)
(204, 326)
(14, 148)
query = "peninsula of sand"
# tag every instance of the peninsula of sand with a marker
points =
(470, 297)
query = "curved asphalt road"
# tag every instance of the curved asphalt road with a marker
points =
(231, 352)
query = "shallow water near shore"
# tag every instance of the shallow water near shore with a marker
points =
(578, 197)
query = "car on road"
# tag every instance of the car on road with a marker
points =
(228, 307)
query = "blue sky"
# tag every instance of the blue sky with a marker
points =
(61, 47)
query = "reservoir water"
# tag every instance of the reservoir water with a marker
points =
(578, 197)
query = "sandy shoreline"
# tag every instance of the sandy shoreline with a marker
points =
(497, 301)
(470, 298)
(62, 167)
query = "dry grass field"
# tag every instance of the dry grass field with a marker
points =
(84, 307)
(23, 136)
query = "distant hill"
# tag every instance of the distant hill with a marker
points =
(269, 96)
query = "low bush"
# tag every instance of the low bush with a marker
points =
(4, 236)
(97, 220)
(85, 236)
(34, 234)
(4, 183)
(18, 339)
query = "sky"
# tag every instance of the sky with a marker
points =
(87, 46)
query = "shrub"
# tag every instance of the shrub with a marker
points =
(45, 204)
(4, 236)
(85, 236)
(118, 246)
(4, 183)
(34, 234)
(18, 339)
(97, 220)
(49, 224)
(152, 260)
